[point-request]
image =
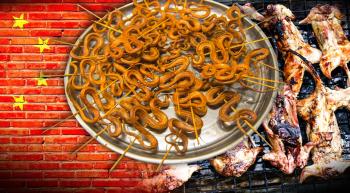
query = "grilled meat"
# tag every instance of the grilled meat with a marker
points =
(326, 23)
(249, 10)
(283, 131)
(323, 130)
(169, 178)
(289, 38)
(236, 161)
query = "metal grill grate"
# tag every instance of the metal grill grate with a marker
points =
(262, 177)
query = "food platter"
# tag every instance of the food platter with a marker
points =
(215, 137)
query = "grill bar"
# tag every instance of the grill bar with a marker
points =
(262, 177)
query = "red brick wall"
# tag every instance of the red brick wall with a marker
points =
(29, 161)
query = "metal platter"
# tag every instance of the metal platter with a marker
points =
(216, 137)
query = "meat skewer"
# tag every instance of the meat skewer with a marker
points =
(326, 23)
(236, 161)
(323, 130)
(282, 128)
(169, 178)
(289, 38)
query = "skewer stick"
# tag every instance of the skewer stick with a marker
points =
(194, 123)
(99, 92)
(152, 28)
(63, 42)
(92, 13)
(91, 139)
(263, 79)
(164, 158)
(262, 84)
(122, 155)
(271, 67)
(107, 26)
(251, 127)
(256, 24)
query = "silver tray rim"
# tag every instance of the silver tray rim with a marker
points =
(209, 155)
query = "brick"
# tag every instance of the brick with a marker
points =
(14, 32)
(45, 99)
(77, 165)
(39, 131)
(27, 157)
(35, 148)
(4, 140)
(92, 174)
(24, 41)
(22, 73)
(42, 183)
(32, 49)
(45, 16)
(93, 156)
(64, 24)
(4, 123)
(108, 165)
(78, 1)
(53, 91)
(114, 183)
(62, 7)
(40, 115)
(26, 57)
(102, 7)
(13, 165)
(62, 49)
(46, 32)
(58, 107)
(14, 131)
(27, 7)
(23, 90)
(52, 147)
(50, 82)
(72, 147)
(11, 183)
(5, 8)
(15, 65)
(28, 140)
(44, 165)
(75, 183)
(4, 57)
(69, 131)
(4, 156)
(61, 139)
(59, 174)
(27, 174)
(12, 82)
(66, 123)
(27, 124)
(56, 57)
(125, 174)
(5, 41)
(59, 156)
(12, 115)
(11, 49)
(77, 16)
(33, 107)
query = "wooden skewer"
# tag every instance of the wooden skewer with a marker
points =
(256, 24)
(164, 158)
(91, 139)
(271, 67)
(160, 23)
(63, 42)
(262, 84)
(251, 127)
(122, 155)
(194, 123)
(107, 26)
(263, 79)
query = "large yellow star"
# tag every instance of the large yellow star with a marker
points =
(19, 21)
(42, 44)
(19, 102)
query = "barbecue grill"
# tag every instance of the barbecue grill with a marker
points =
(262, 177)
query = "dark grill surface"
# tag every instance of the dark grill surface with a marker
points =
(262, 177)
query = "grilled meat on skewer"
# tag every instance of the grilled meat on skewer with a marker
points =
(289, 38)
(323, 130)
(282, 128)
(169, 178)
(236, 161)
(326, 23)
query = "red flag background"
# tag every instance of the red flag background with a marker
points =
(30, 161)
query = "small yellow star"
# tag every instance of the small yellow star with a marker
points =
(19, 102)
(42, 44)
(19, 21)
(41, 80)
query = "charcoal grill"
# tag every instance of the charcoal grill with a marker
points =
(262, 177)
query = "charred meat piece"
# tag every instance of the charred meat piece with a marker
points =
(282, 128)
(326, 23)
(289, 38)
(323, 130)
(169, 178)
(236, 161)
